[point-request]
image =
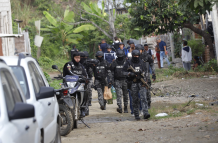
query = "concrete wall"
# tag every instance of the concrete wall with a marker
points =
(6, 28)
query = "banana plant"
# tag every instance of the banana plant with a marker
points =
(60, 29)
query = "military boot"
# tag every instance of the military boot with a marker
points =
(137, 116)
(125, 109)
(119, 109)
(146, 116)
(149, 105)
(87, 111)
(82, 113)
(90, 102)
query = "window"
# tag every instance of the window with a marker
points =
(37, 79)
(11, 93)
(19, 73)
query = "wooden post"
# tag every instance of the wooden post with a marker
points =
(1, 52)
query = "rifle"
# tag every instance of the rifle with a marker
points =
(141, 78)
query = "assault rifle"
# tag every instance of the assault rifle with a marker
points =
(139, 76)
(92, 61)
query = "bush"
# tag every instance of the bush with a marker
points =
(47, 76)
(211, 66)
(197, 47)
(45, 61)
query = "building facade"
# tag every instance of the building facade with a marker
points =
(6, 44)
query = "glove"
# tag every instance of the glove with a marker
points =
(132, 74)
(109, 85)
(154, 77)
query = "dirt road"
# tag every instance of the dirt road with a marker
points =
(110, 127)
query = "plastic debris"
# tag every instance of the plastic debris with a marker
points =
(161, 115)
(201, 105)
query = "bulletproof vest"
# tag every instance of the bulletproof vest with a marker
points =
(118, 72)
(116, 45)
(70, 69)
(138, 67)
(100, 70)
(144, 56)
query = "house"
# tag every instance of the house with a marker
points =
(6, 44)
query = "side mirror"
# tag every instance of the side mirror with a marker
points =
(45, 92)
(55, 67)
(22, 111)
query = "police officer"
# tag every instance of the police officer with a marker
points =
(120, 81)
(137, 87)
(84, 58)
(147, 59)
(74, 67)
(103, 78)
(83, 61)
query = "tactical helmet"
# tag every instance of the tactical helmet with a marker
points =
(139, 47)
(99, 53)
(86, 54)
(82, 54)
(121, 43)
(131, 42)
(135, 53)
(120, 53)
(109, 47)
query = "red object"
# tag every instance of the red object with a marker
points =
(65, 92)
(158, 56)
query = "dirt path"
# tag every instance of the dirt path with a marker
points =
(109, 126)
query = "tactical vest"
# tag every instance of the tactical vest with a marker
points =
(137, 67)
(100, 70)
(118, 72)
(70, 69)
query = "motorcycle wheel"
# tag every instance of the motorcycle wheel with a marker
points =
(67, 121)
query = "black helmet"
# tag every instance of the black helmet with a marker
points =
(131, 42)
(99, 53)
(109, 47)
(135, 53)
(139, 47)
(86, 54)
(82, 54)
(121, 43)
(120, 53)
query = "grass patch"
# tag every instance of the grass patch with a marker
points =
(55, 84)
(178, 110)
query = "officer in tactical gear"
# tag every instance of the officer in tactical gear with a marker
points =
(84, 56)
(103, 78)
(120, 81)
(147, 59)
(83, 61)
(74, 67)
(138, 77)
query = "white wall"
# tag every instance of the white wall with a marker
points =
(6, 27)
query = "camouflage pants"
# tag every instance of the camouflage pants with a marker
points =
(100, 89)
(148, 96)
(89, 90)
(121, 90)
(135, 89)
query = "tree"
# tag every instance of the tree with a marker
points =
(199, 6)
(109, 18)
(162, 16)
(61, 30)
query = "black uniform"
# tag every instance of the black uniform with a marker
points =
(74, 68)
(120, 81)
(147, 59)
(103, 78)
(137, 86)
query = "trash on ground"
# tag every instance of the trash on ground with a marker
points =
(161, 115)
(200, 105)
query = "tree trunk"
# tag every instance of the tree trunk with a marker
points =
(204, 34)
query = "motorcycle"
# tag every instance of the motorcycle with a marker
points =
(76, 85)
